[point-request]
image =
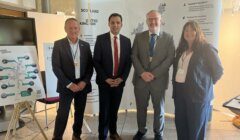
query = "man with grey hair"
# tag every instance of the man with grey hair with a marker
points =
(152, 55)
(73, 66)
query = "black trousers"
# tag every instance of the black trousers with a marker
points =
(63, 113)
(110, 99)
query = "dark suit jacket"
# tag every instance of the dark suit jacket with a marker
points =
(63, 65)
(103, 61)
(204, 70)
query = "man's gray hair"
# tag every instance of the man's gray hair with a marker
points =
(70, 19)
(153, 11)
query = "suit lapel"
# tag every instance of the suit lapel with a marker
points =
(82, 55)
(109, 48)
(68, 50)
(122, 44)
(81, 48)
(146, 44)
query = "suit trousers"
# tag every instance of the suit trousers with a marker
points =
(63, 113)
(110, 99)
(191, 118)
(142, 96)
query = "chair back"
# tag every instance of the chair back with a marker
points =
(44, 82)
(51, 99)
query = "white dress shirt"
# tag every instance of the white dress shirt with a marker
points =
(75, 51)
(183, 67)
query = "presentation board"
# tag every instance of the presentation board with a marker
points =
(19, 75)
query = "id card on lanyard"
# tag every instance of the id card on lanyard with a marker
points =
(74, 54)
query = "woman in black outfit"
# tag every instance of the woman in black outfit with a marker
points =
(197, 68)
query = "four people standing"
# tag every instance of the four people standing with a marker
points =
(112, 62)
(152, 55)
(196, 68)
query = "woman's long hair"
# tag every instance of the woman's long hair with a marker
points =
(199, 40)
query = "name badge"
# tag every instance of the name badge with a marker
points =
(181, 71)
(76, 64)
(150, 59)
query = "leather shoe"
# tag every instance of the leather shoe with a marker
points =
(54, 138)
(115, 136)
(158, 137)
(138, 136)
(75, 137)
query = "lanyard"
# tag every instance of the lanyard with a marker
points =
(184, 57)
(74, 53)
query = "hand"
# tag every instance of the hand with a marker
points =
(74, 87)
(117, 82)
(81, 85)
(147, 76)
(109, 81)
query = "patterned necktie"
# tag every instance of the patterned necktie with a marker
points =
(152, 43)
(115, 57)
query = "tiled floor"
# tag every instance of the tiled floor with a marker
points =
(220, 128)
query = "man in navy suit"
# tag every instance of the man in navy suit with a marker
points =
(72, 64)
(112, 63)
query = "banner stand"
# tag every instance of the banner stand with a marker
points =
(87, 126)
(15, 118)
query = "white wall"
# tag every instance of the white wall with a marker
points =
(49, 28)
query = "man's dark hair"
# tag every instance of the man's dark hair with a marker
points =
(114, 15)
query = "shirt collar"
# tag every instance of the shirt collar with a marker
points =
(112, 35)
(71, 43)
(158, 34)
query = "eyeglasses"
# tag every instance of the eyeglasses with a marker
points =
(153, 19)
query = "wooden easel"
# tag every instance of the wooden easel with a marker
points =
(15, 118)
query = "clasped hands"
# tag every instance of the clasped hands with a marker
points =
(77, 87)
(147, 76)
(114, 82)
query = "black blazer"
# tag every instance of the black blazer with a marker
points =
(63, 65)
(204, 70)
(103, 61)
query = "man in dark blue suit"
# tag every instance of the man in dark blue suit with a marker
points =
(72, 64)
(112, 63)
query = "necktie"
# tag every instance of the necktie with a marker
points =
(115, 57)
(152, 43)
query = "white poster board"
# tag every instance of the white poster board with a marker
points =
(51, 79)
(19, 75)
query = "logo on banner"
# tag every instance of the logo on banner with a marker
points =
(89, 20)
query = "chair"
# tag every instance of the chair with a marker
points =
(47, 100)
